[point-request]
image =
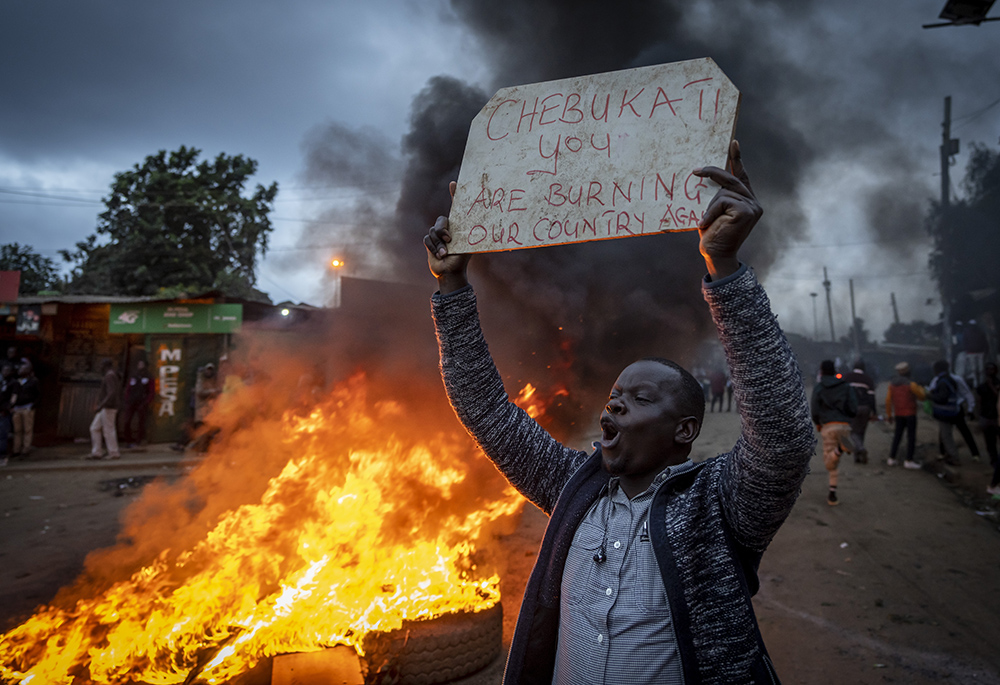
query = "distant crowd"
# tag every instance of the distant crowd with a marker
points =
(843, 404)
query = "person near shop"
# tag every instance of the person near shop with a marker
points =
(104, 427)
(138, 396)
(7, 380)
(24, 399)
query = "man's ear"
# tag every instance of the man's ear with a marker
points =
(687, 430)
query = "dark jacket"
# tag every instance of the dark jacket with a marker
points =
(110, 395)
(709, 525)
(833, 401)
(864, 387)
(26, 391)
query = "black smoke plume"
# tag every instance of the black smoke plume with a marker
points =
(574, 315)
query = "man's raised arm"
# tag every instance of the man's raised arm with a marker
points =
(765, 469)
(531, 459)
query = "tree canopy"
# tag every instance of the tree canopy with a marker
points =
(37, 272)
(174, 224)
(966, 236)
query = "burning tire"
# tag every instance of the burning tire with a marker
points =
(434, 651)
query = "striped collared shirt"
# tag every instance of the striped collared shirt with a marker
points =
(614, 619)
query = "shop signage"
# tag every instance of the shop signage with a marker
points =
(175, 318)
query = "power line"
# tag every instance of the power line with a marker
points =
(30, 193)
(869, 276)
(969, 118)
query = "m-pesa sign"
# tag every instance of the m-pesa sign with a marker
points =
(594, 157)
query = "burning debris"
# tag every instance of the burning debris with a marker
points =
(301, 530)
(129, 485)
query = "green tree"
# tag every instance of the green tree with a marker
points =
(965, 236)
(175, 224)
(37, 272)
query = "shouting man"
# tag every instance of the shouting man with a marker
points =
(649, 560)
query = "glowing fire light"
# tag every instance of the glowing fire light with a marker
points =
(376, 518)
(533, 405)
(336, 263)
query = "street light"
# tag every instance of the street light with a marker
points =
(336, 264)
(815, 320)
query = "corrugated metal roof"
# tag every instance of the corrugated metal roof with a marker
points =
(88, 299)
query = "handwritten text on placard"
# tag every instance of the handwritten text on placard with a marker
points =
(595, 157)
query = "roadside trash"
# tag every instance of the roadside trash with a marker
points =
(123, 486)
(843, 545)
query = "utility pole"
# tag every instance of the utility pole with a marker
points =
(829, 308)
(854, 323)
(895, 311)
(949, 148)
(815, 320)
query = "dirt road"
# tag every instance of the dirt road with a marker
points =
(900, 583)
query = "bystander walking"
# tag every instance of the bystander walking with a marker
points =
(864, 390)
(901, 408)
(104, 426)
(834, 406)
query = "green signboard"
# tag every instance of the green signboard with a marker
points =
(175, 318)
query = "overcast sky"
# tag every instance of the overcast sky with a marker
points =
(91, 88)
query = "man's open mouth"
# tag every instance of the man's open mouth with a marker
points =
(609, 433)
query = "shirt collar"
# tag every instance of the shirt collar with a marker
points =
(613, 485)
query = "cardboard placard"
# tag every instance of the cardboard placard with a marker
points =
(594, 157)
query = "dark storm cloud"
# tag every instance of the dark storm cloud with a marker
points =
(84, 76)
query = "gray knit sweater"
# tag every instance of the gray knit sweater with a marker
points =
(709, 526)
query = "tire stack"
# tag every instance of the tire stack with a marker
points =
(434, 651)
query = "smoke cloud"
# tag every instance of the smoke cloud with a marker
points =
(573, 316)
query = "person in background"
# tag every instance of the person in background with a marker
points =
(950, 400)
(138, 397)
(206, 390)
(24, 397)
(901, 408)
(968, 402)
(7, 380)
(834, 406)
(12, 358)
(718, 383)
(989, 396)
(864, 390)
(105, 424)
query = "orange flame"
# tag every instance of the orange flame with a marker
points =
(365, 526)
(535, 406)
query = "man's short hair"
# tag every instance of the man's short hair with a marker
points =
(860, 364)
(940, 366)
(827, 368)
(690, 394)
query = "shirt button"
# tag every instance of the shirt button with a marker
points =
(608, 592)
(618, 544)
(600, 638)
